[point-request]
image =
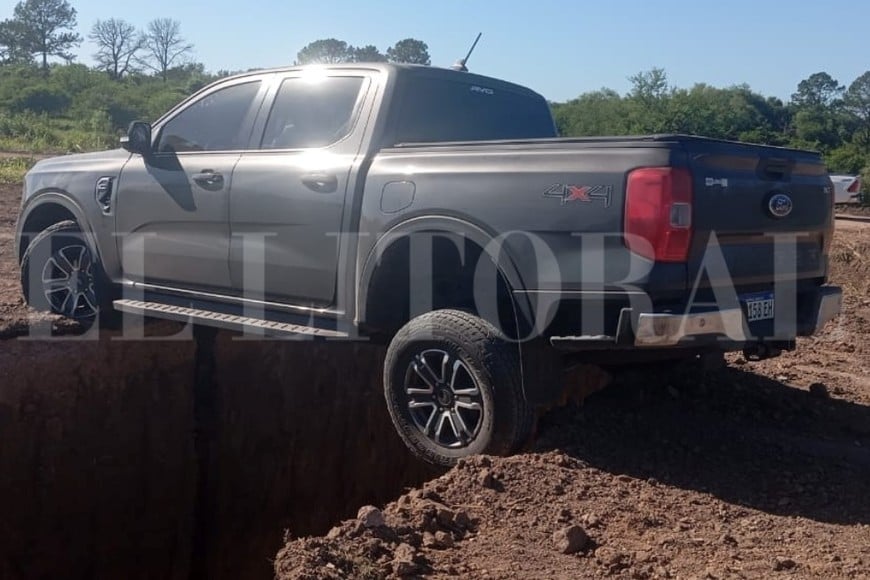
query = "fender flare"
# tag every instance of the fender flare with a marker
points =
(56, 197)
(505, 263)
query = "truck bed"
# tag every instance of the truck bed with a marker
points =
(604, 141)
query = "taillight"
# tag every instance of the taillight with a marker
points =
(658, 213)
(856, 186)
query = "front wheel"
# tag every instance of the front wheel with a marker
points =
(453, 386)
(61, 274)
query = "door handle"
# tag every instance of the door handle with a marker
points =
(208, 178)
(321, 182)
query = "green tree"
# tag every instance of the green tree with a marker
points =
(325, 51)
(734, 113)
(850, 159)
(601, 112)
(648, 101)
(409, 50)
(857, 103)
(14, 45)
(649, 86)
(817, 90)
(817, 108)
(368, 53)
(117, 42)
(164, 46)
(45, 28)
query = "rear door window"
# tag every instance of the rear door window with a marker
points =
(311, 113)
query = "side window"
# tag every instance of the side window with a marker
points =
(312, 113)
(213, 123)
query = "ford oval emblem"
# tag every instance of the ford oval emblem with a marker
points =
(779, 205)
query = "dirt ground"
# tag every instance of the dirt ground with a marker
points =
(12, 310)
(754, 470)
(852, 209)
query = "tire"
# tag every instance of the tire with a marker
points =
(454, 388)
(61, 273)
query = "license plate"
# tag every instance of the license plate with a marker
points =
(758, 306)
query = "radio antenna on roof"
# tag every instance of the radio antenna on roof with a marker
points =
(460, 64)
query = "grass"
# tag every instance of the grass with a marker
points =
(31, 133)
(12, 169)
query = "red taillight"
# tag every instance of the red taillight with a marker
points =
(658, 213)
(856, 186)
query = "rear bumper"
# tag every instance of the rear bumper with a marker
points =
(672, 329)
(722, 329)
(659, 330)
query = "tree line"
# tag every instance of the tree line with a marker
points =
(49, 102)
(41, 29)
(140, 73)
(822, 114)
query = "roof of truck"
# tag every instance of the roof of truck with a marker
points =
(396, 69)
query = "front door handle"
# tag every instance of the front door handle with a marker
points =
(209, 178)
(321, 182)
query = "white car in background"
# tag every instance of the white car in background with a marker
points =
(847, 188)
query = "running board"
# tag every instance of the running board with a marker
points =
(224, 320)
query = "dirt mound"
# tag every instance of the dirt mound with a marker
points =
(504, 518)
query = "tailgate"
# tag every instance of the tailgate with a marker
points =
(768, 209)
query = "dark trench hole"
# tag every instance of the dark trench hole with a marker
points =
(186, 459)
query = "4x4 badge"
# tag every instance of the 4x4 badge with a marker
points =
(584, 193)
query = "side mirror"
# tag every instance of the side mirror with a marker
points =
(138, 138)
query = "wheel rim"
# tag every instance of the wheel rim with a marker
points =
(443, 398)
(68, 282)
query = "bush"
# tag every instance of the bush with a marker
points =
(865, 186)
(41, 99)
(27, 132)
(848, 159)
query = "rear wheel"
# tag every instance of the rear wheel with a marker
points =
(454, 388)
(61, 274)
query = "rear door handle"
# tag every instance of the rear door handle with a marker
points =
(209, 178)
(321, 182)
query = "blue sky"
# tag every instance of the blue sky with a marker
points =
(559, 48)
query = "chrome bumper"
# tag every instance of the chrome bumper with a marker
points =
(659, 330)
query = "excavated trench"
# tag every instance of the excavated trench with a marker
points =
(185, 459)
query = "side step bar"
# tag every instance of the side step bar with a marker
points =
(223, 320)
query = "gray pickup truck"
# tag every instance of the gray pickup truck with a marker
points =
(435, 211)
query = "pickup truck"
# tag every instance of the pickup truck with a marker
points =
(847, 188)
(437, 212)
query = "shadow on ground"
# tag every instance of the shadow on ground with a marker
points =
(739, 436)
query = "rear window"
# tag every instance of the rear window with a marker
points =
(436, 110)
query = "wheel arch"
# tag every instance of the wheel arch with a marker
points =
(47, 209)
(479, 237)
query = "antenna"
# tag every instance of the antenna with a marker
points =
(460, 64)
